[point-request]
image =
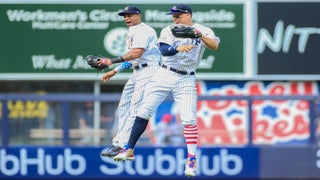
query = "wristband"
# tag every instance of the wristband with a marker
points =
(123, 66)
(117, 60)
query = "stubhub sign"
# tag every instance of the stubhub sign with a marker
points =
(86, 162)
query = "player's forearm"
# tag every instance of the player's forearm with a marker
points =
(122, 67)
(212, 44)
(131, 55)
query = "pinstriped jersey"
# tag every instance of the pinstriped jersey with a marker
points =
(186, 61)
(144, 36)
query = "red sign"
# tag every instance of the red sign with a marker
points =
(274, 121)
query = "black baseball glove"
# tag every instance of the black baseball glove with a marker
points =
(93, 61)
(184, 31)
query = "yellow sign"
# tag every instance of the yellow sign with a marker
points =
(26, 109)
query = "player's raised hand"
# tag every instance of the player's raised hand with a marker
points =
(185, 48)
(107, 76)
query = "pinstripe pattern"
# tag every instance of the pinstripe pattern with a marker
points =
(143, 36)
(139, 36)
(123, 109)
(186, 61)
(171, 79)
(181, 86)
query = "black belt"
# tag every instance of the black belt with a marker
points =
(177, 71)
(137, 67)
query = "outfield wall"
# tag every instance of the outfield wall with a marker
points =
(151, 162)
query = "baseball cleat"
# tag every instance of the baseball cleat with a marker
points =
(190, 167)
(111, 151)
(124, 154)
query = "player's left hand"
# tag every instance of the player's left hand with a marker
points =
(107, 76)
(185, 48)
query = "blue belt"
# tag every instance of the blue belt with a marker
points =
(177, 71)
(137, 67)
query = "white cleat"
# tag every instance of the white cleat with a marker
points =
(190, 167)
(124, 154)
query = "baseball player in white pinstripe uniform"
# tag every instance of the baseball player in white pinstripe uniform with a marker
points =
(181, 57)
(144, 56)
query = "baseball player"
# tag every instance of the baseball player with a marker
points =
(144, 56)
(180, 58)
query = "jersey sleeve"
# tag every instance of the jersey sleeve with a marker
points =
(166, 36)
(209, 33)
(140, 37)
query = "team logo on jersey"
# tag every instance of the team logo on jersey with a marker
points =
(115, 41)
(196, 41)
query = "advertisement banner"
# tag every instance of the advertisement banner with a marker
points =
(225, 122)
(150, 162)
(314, 167)
(299, 162)
(288, 38)
(55, 38)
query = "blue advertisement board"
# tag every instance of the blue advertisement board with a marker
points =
(150, 162)
(296, 162)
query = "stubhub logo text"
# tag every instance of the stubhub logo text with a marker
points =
(167, 164)
(152, 162)
(11, 165)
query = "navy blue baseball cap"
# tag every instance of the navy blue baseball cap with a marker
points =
(130, 10)
(180, 9)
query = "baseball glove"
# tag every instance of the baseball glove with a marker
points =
(184, 31)
(94, 60)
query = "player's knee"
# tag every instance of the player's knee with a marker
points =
(145, 114)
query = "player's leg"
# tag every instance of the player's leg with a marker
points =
(142, 78)
(124, 116)
(186, 99)
(156, 91)
(121, 137)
